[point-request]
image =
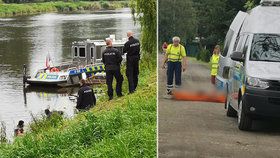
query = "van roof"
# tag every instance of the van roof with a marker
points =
(262, 19)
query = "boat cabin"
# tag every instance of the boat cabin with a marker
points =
(90, 51)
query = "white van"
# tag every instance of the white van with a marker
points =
(230, 43)
(253, 84)
(225, 61)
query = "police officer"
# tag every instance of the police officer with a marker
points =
(132, 48)
(112, 59)
(86, 97)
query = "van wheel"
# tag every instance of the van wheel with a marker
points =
(230, 110)
(244, 121)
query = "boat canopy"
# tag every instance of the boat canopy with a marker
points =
(90, 51)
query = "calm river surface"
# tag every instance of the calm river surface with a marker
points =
(28, 40)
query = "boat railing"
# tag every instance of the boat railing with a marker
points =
(72, 68)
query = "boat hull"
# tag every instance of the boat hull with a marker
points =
(45, 82)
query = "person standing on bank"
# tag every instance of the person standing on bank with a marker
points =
(86, 98)
(112, 59)
(175, 55)
(132, 48)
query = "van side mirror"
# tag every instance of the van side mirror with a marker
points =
(237, 56)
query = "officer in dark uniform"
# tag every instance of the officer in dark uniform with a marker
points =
(86, 98)
(112, 59)
(132, 48)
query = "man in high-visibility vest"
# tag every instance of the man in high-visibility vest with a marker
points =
(175, 58)
(215, 63)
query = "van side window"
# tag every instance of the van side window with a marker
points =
(246, 45)
(241, 43)
(236, 42)
(227, 42)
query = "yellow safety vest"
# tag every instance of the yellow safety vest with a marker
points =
(214, 64)
(175, 53)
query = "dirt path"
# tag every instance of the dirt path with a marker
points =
(198, 129)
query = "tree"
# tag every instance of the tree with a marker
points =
(250, 4)
(146, 14)
(214, 18)
(176, 18)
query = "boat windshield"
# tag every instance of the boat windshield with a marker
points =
(265, 47)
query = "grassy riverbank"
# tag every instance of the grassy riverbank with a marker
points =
(8, 10)
(124, 127)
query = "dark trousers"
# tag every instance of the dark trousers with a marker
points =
(213, 79)
(132, 72)
(110, 74)
(173, 68)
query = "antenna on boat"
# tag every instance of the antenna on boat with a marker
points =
(24, 75)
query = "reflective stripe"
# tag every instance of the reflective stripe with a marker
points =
(215, 66)
(101, 67)
(40, 76)
(169, 87)
(174, 60)
(45, 76)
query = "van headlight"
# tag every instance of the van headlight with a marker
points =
(257, 83)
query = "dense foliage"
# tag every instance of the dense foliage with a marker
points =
(145, 11)
(36, 1)
(207, 20)
(176, 18)
(59, 6)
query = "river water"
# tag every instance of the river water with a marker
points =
(28, 40)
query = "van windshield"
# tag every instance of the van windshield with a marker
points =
(266, 47)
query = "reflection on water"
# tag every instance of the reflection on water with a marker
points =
(28, 39)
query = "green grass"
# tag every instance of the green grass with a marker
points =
(124, 127)
(7, 10)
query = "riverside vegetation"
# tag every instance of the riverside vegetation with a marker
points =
(124, 127)
(12, 9)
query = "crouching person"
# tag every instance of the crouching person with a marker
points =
(19, 131)
(86, 97)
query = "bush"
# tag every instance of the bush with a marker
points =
(104, 5)
(198, 56)
(204, 55)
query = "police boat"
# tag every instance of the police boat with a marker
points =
(86, 64)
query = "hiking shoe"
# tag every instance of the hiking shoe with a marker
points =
(167, 96)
